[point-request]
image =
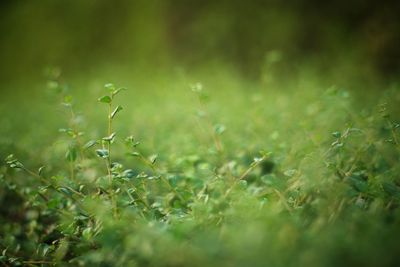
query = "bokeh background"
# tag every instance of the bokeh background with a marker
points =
(347, 39)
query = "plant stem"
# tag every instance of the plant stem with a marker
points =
(245, 173)
(111, 192)
(109, 144)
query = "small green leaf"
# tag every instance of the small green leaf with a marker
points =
(117, 91)
(142, 175)
(109, 86)
(130, 141)
(116, 110)
(10, 158)
(65, 191)
(337, 144)
(105, 99)
(89, 144)
(87, 233)
(135, 154)
(43, 249)
(154, 177)
(391, 189)
(13, 163)
(62, 249)
(109, 138)
(257, 160)
(116, 166)
(128, 173)
(336, 134)
(40, 171)
(219, 129)
(153, 158)
(71, 154)
(102, 153)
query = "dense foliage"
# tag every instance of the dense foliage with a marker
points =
(212, 178)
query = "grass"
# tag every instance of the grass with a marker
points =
(223, 173)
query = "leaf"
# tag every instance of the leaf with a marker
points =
(87, 233)
(43, 249)
(116, 110)
(154, 177)
(89, 144)
(337, 144)
(336, 134)
(153, 158)
(109, 86)
(102, 153)
(109, 138)
(116, 166)
(219, 129)
(128, 173)
(142, 175)
(62, 249)
(10, 158)
(64, 130)
(65, 191)
(117, 91)
(130, 141)
(13, 162)
(358, 183)
(105, 99)
(40, 171)
(257, 160)
(135, 154)
(71, 154)
(391, 189)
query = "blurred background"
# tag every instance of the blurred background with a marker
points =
(340, 40)
(239, 50)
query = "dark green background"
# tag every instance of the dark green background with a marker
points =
(350, 40)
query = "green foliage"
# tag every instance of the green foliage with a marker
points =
(318, 189)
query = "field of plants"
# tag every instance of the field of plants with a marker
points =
(108, 163)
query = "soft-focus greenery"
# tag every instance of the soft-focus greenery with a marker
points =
(202, 153)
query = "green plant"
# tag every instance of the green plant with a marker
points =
(322, 196)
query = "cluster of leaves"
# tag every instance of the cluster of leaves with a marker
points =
(334, 203)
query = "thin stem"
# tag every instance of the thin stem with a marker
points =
(154, 169)
(43, 180)
(214, 135)
(283, 199)
(140, 198)
(244, 174)
(109, 144)
(255, 164)
(75, 129)
(109, 162)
